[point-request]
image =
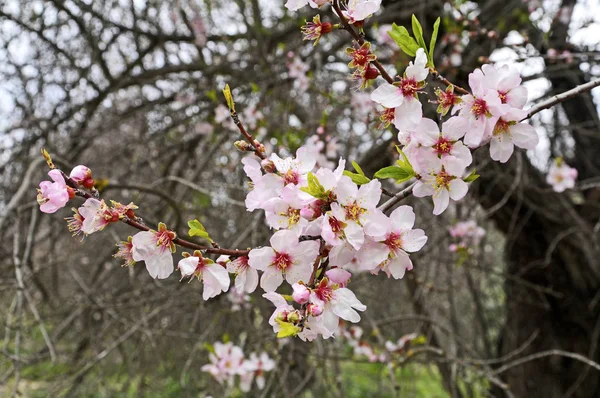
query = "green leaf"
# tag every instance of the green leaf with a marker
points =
(197, 229)
(315, 188)
(418, 32)
(229, 98)
(471, 177)
(209, 347)
(436, 27)
(286, 329)
(404, 162)
(212, 95)
(397, 173)
(404, 40)
(357, 168)
(358, 179)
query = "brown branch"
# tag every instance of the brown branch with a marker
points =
(550, 102)
(347, 27)
(447, 82)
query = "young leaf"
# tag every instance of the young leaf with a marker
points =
(434, 35)
(286, 329)
(197, 229)
(397, 173)
(418, 32)
(404, 40)
(471, 177)
(314, 187)
(357, 168)
(358, 179)
(404, 162)
(229, 98)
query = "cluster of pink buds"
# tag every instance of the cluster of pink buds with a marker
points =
(228, 362)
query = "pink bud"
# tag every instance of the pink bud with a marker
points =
(307, 213)
(320, 130)
(315, 309)
(339, 276)
(268, 165)
(82, 175)
(301, 293)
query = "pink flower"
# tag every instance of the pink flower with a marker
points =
(403, 96)
(256, 366)
(246, 277)
(561, 176)
(359, 10)
(96, 215)
(226, 362)
(507, 133)
(53, 196)
(282, 310)
(359, 207)
(155, 248)
(482, 109)
(440, 182)
(506, 80)
(83, 176)
(339, 276)
(445, 144)
(337, 303)
(285, 258)
(214, 276)
(398, 240)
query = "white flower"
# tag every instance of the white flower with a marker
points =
(213, 275)
(404, 96)
(246, 277)
(507, 133)
(155, 248)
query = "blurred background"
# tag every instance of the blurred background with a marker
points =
(132, 90)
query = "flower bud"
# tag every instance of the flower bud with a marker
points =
(294, 317)
(371, 73)
(307, 213)
(301, 293)
(83, 176)
(314, 309)
(243, 146)
(268, 165)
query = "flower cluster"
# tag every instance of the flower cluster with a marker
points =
(440, 155)
(228, 361)
(323, 219)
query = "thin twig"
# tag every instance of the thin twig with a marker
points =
(405, 193)
(550, 102)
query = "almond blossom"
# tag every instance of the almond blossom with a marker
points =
(338, 302)
(359, 10)
(225, 362)
(403, 96)
(561, 176)
(246, 277)
(213, 275)
(155, 248)
(254, 369)
(295, 5)
(53, 196)
(285, 258)
(482, 109)
(506, 80)
(359, 207)
(445, 144)
(443, 183)
(509, 133)
(399, 239)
